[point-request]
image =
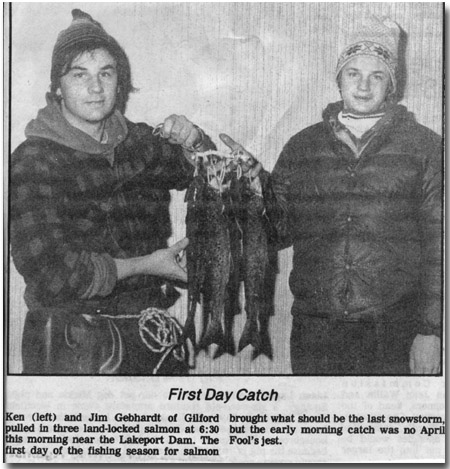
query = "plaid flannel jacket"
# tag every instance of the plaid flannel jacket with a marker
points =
(71, 213)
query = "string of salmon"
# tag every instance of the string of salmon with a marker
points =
(228, 233)
(227, 228)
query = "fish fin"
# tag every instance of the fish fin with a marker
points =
(250, 336)
(265, 347)
(228, 347)
(232, 307)
(213, 335)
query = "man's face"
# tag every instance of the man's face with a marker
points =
(89, 89)
(364, 84)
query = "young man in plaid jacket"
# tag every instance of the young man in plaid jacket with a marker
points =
(90, 215)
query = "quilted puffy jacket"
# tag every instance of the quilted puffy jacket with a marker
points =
(365, 220)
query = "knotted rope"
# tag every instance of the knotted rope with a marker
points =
(159, 331)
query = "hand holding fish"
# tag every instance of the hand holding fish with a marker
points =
(165, 263)
(249, 164)
(168, 263)
(181, 131)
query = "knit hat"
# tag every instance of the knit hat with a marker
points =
(378, 38)
(83, 29)
(86, 34)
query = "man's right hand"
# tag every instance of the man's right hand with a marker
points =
(165, 263)
(425, 355)
(181, 131)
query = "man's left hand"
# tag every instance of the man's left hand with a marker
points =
(181, 131)
(425, 355)
(249, 164)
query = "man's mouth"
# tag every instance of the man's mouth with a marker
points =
(363, 98)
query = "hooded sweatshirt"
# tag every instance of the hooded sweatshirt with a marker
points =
(52, 125)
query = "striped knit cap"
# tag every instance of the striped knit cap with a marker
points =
(378, 38)
(83, 29)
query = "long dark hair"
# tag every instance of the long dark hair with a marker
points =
(62, 62)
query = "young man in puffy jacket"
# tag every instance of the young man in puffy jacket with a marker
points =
(361, 194)
(90, 217)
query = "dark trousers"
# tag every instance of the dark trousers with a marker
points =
(138, 359)
(321, 346)
(56, 342)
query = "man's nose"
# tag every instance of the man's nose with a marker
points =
(364, 84)
(95, 85)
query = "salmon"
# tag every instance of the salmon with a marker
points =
(208, 258)
(232, 297)
(216, 258)
(230, 241)
(256, 268)
(194, 251)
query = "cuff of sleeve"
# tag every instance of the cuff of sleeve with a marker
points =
(105, 276)
(205, 143)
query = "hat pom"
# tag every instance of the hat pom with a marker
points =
(79, 15)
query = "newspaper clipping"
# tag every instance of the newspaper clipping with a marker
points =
(225, 233)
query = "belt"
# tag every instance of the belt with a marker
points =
(128, 302)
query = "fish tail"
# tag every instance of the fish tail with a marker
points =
(265, 347)
(231, 306)
(213, 335)
(228, 347)
(250, 335)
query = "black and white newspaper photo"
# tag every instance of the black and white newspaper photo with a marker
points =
(224, 232)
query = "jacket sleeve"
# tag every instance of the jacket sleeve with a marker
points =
(279, 212)
(55, 269)
(431, 230)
